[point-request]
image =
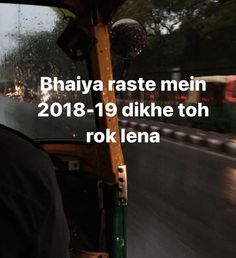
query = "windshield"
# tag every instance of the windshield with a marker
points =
(28, 51)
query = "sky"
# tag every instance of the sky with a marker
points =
(15, 19)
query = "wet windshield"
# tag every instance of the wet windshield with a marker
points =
(28, 51)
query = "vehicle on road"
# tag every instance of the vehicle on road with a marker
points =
(220, 97)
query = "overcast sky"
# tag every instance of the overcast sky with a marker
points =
(24, 19)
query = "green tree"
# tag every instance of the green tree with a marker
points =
(189, 34)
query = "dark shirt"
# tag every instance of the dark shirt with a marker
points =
(32, 221)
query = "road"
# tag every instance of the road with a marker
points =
(23, 117)
(182, 199)
(182, 202)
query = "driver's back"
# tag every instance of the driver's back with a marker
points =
(32, 220)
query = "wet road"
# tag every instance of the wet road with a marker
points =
(23, 117)
(182, 202)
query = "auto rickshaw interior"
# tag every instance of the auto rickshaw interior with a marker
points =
(89, 175)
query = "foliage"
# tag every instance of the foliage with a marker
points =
(191, 34)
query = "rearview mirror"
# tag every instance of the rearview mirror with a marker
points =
(75, 40)
(128, 38)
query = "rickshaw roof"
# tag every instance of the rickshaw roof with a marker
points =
(107, 8)
(216, 78)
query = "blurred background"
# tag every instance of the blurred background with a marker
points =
(182, 192)
(185, 38)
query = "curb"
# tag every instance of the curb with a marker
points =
(224, 145)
